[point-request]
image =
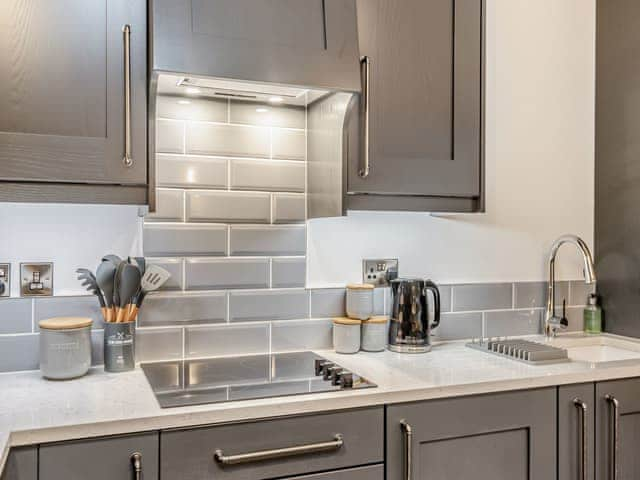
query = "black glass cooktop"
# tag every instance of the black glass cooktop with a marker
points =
(225, 379)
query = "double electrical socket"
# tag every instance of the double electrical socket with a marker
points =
(379, 272)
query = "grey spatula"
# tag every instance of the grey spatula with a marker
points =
(154, 277)
(105, 277)
(128, 285)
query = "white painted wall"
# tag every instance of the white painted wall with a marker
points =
(539, 164)
(71, 236)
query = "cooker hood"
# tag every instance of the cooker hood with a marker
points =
(304, 43)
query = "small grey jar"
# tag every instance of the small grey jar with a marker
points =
(375, 334)
(65, 347)
(359, 301)
(346, 335)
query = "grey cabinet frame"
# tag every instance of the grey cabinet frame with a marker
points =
(41, 161)
(446, 427)
(451, 177)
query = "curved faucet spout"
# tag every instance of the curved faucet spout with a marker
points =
(551, 322)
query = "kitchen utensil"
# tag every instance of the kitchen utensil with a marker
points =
(139, 262)
(154, 277)
(128, 286)
(105, 277)
(359, 301)
(409, 329)
(89, 281)
(346, 335)
(65, 347)
(119, 346)
(115, 259)
(116, 290)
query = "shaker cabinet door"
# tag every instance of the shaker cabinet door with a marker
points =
(425, 97)
(62, 91)
(618, 430)
(576, 432)
(294, 42)
(22, 464)
(100, 459)
(499, 436)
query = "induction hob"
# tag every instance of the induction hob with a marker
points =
(224, 379)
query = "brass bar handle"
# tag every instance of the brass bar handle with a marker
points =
(365, 65)
(614, 443)
(126, 36)
(136, 462)
(333, 445)
(407, 430)
(584, 446)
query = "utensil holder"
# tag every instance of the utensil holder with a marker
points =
(119, 346)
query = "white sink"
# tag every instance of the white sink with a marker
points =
(598, 349)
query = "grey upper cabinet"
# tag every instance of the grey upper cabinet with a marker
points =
(618, 430)
(576, 432)
(63, 118)
(294, 42)
(100, 459)
(22, 464)
(508, 435)
(425, 100)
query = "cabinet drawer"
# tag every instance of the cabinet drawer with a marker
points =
(100, 459)
(189, 454)
(373, 472)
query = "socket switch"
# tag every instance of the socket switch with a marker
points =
(36, 279)
(5, 280)
(379, 272)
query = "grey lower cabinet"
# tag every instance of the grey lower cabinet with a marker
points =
(617, 427)
(576, 432)
(422, 137)
(100, 459)
(22, 464)
(280, 448)
(73, 103)
(502, 436)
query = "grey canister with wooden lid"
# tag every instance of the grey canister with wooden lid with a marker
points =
(65, 347)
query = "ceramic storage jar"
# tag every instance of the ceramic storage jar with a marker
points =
(359, 301)
(65, 347)
(346, 335)
(374, 334)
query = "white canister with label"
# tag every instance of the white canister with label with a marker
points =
(346, 335)
(360, 301)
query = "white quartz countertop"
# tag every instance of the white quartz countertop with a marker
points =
(34, 410)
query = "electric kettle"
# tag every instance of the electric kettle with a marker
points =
(409, 328)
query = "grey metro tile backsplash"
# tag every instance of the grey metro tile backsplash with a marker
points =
(15, 315)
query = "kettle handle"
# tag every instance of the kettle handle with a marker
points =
(429, 285)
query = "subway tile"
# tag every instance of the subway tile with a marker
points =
(15, 315)
(183, 309)
(515, 322)
(274, 116)
(445, 297)
(19, 352)
(268, 305)
(379, 299)
(97, 347)
(289, 144)
(481, 296)
(301, 335)
(289, 208)
(200, 109)
(268, 240)
(169, 206)
(191, 171)
(169, 136)
(458, 326)
(154, 344)
(82, 306)
(228, 207)
(579, 292)
(328, 302)
(534, 294)
(211, 139)
(173, 240)
(221, 340)
(575, 315)
(288, 272)
(211, 274)
(174, 267)
(270, 175)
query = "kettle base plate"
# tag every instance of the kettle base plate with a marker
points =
(409, 348)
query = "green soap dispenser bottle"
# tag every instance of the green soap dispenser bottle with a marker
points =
(592, 315)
